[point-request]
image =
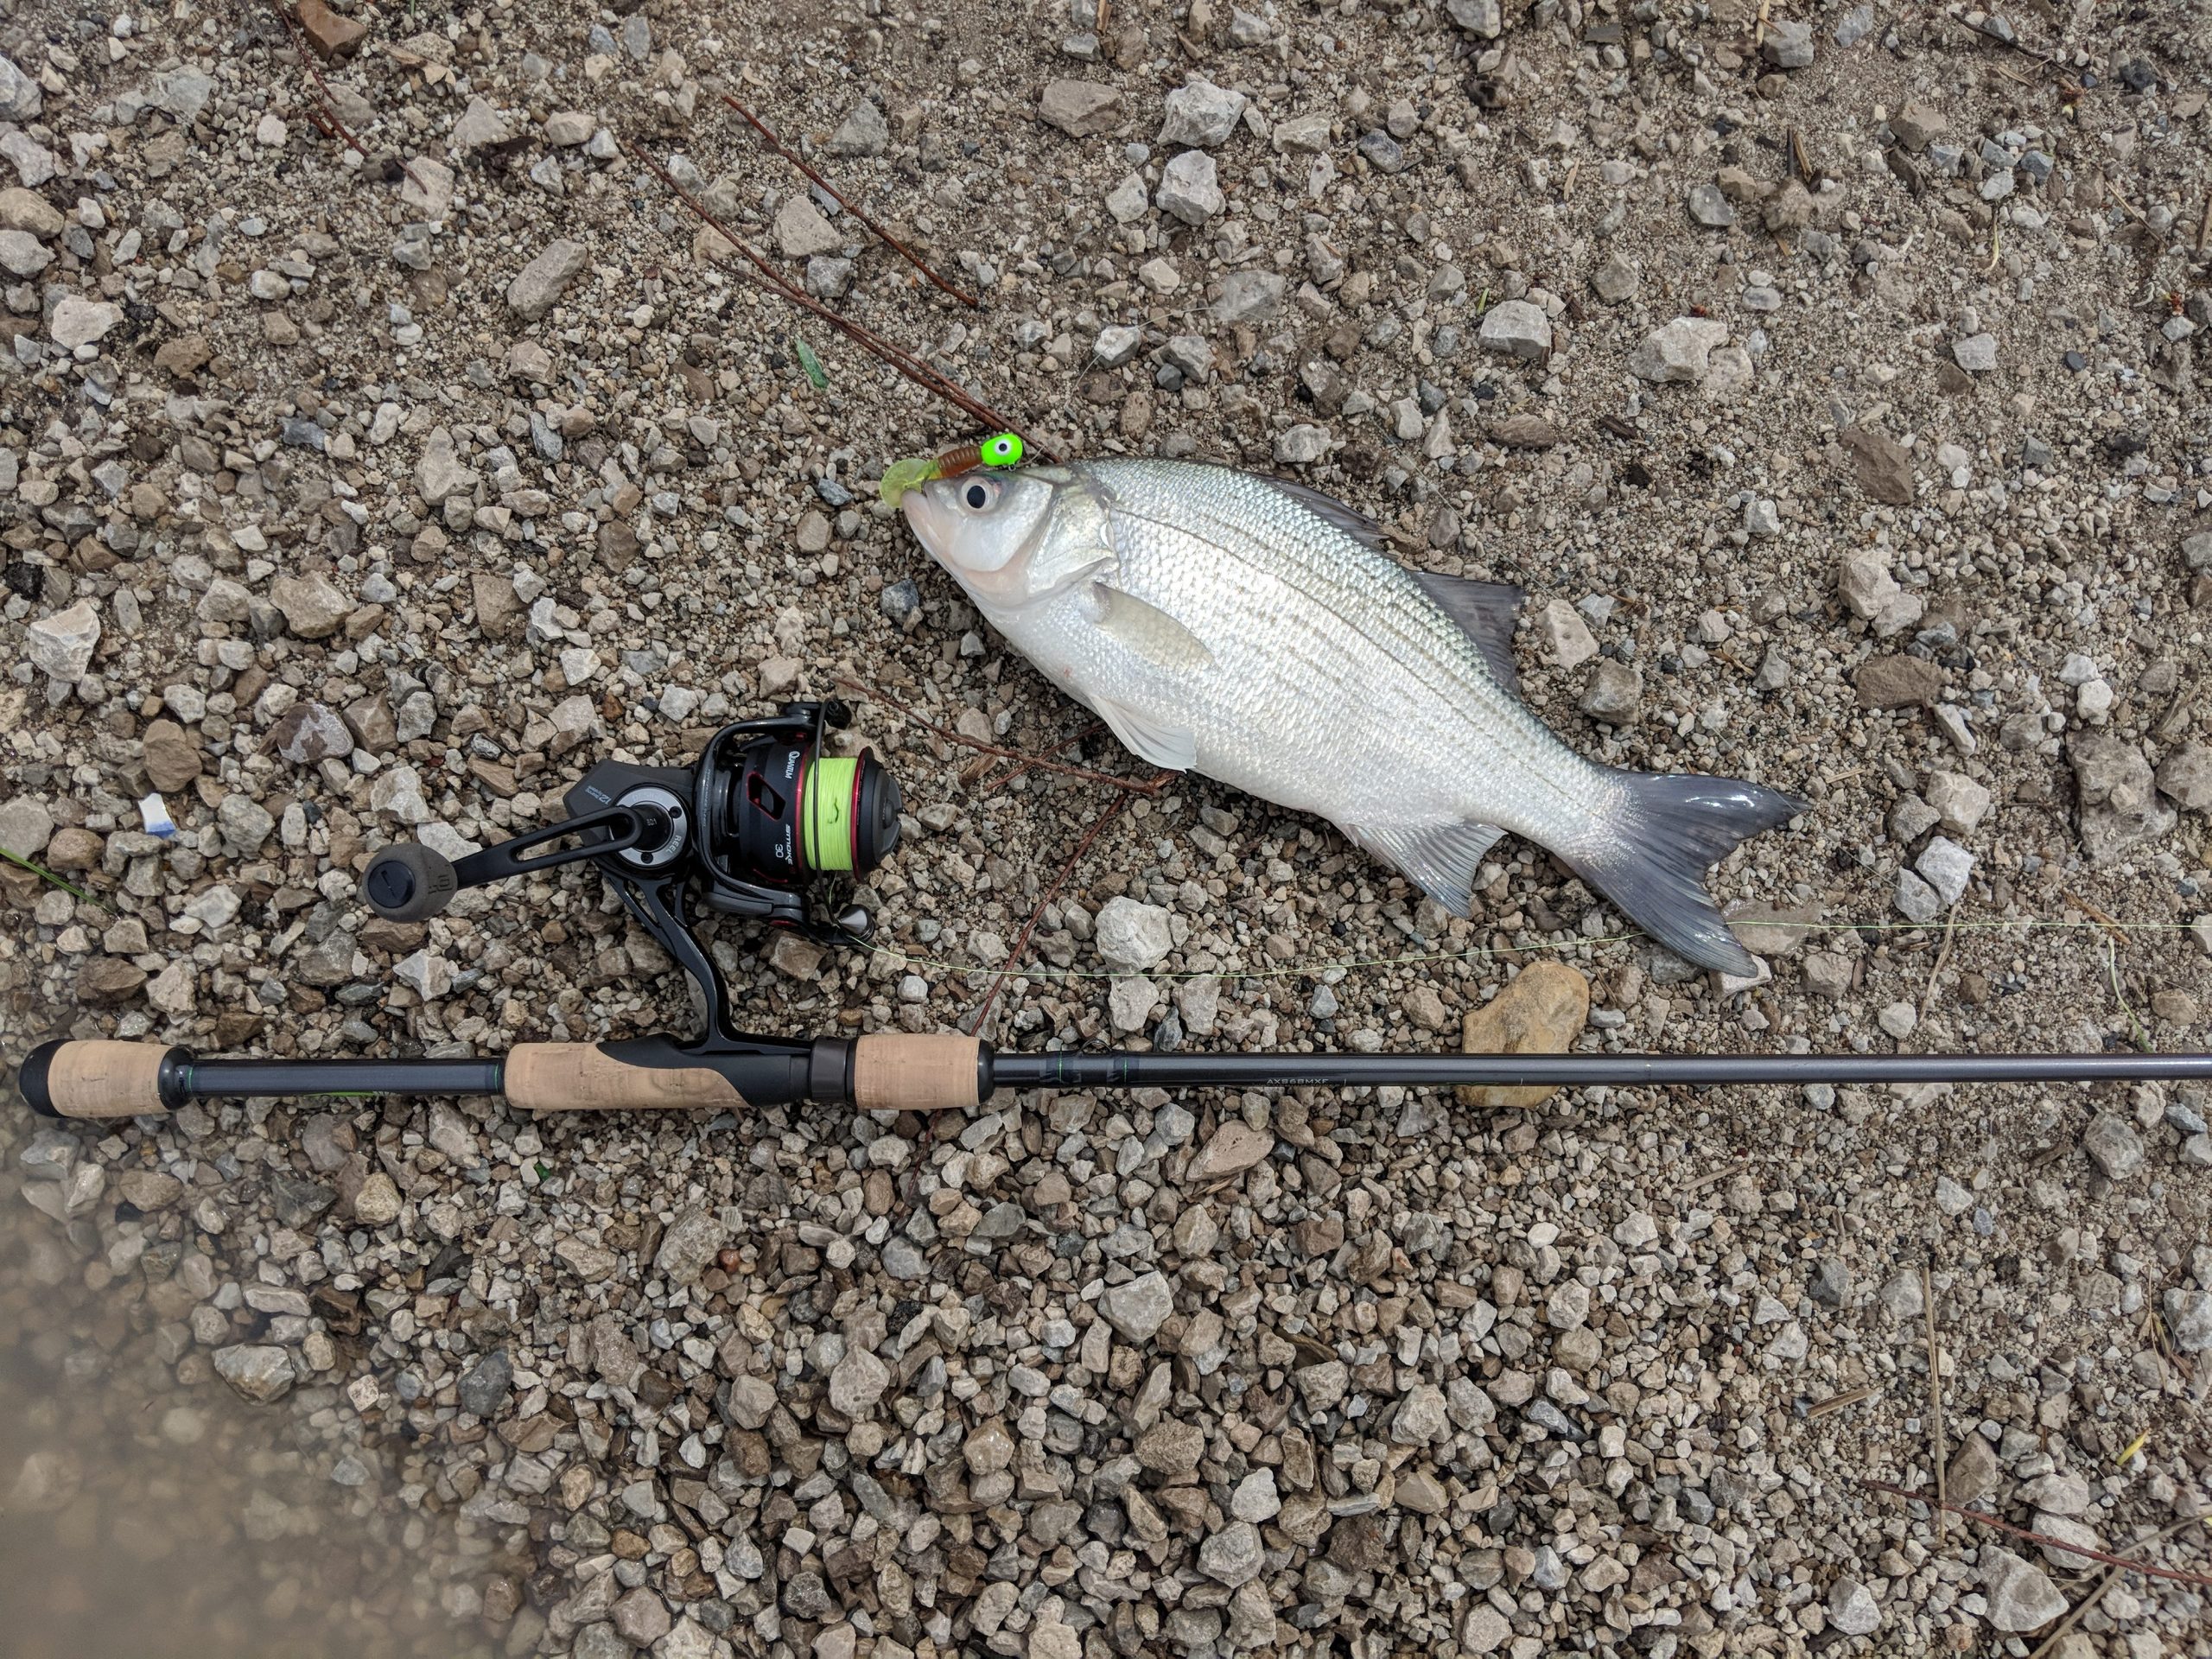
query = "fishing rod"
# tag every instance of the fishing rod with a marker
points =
(948, 1072)
(768, 825)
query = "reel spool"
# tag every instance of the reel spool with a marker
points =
(769, 824)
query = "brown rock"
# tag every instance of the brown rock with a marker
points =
(312, 607)
(186, 354)
(1360, 1542)
(1235, 1146)
(1973, 1471)
(172, 758)
(150, 1189)
(1919, 124)
(1524, 432)
(495, 777)
(310, 732)
(2184, 776)
(105, 981)
(1172, 1448)
(1882, 465)
(1772, 930)
(26, 210)
(73, 848)
(1898, 682)
(333, 37)
(498, 611)
(1080, 108)
(374, 729)
(1320, 1234)
(1539, 1013)
(1739, 186)
(617, 545)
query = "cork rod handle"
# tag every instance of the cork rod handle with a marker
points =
(102, 1078)
(930, 1072)
(581, 1077)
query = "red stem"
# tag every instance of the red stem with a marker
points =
(2044, 1538)
(332, 124)
(866, 338)
(791, 155)
(1067, 868)
(982, 747)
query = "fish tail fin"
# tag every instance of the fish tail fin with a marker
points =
(1653, 844)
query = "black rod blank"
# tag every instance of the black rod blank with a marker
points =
(198, 1080)
(1125, 1071)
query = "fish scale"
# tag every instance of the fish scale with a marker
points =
(1247, 629)
(1347, 617)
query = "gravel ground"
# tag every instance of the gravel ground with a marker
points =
(1827, 380)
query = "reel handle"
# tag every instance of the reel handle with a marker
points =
(408, 882)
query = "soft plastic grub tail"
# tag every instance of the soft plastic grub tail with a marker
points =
(1652, 844)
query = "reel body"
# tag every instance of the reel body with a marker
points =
(765, 824)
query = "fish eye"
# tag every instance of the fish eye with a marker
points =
(978, 496)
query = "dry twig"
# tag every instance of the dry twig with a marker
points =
(900, 248)
(997, 781)
(1934, 1391)
(1944, 956)
(2044, 1539)
(1038, 762)
(2049, 1645)
(2021, 47)
(866, 338)
(327, 117)
(1113, 810)
(2096, 915)
(1837, 1401)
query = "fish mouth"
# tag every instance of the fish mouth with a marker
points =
(930, 524)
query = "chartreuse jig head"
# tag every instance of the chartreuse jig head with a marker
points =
(1000, 449)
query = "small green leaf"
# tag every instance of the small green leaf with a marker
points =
(50, 878)
(811, 364)
(544, 1174)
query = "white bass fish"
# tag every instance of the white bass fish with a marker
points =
(1254, 631)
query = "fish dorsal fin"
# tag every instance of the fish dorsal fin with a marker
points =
(1485, 612)
(1148, 631)
(1160, 742)
(1354, 524)
(1441, 858)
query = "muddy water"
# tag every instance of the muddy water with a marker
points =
(147, 1511)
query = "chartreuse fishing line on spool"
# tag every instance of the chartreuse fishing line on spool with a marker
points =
(1000, 449)
(833, 791)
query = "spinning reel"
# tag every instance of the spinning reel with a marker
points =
(766, 824)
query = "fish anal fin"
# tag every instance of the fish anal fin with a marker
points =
(1485, 612)
(1160, 742)
(1441, 858)
(1148, 631)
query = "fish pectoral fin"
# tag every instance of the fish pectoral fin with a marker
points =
(1485, 612)
(1442, 858)
(1160, 742)
(1148, 631)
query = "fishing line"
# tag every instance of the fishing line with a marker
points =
(1487, 953)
